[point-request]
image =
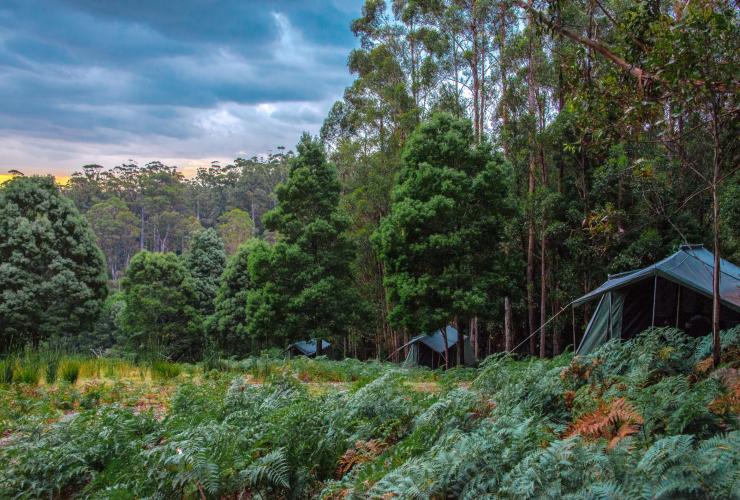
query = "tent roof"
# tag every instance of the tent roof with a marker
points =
(692, 266)
(435, 341)
(308, 347)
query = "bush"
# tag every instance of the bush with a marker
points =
(634, 420)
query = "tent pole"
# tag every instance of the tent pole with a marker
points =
(573, 312)
(678, 304)
(610, 316)
(655, 289)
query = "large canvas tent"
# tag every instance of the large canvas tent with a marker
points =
(307, 348)
(428, 349)
(677, 291)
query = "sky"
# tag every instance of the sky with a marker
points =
(186, 82)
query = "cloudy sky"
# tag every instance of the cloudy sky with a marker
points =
(185, 82)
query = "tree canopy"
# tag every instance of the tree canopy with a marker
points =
(161, 315)
(52, 273)
(205, 261)
(304, 284)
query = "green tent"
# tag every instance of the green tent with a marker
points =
(677, 291)
(428, 349)
(307, 348)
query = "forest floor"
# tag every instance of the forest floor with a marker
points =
(645, 418)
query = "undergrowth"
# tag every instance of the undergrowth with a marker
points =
(646, 418)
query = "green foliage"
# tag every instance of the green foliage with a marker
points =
(26, 372)
(161, 316)
(303, 286)
(6, 369)
(117, 232)
(205, 261)
(228, 324)
(70, 371)
(439, 243)
(51, 361)
(53, 276)
(275, 428)
(165, 370)
(234, 227)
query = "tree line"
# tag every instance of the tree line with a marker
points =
(490, 162)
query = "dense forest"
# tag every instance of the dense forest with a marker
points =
(491, 162)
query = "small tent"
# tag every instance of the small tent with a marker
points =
(677, 291)
(307, 348)
(428, 349)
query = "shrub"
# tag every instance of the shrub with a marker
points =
(633, 421)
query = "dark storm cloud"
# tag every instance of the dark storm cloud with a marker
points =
(229, 76)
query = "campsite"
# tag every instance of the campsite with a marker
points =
(382, 249)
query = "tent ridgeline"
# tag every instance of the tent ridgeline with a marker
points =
(692, 266)
(308, 347)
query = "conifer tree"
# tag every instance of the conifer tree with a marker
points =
(440, 241)
(228, 324)
(52, 273)
(205, 261)
(160, 316)
(303, 284)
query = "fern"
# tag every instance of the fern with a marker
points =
(271, 470)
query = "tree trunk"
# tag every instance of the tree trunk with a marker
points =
(503, 69)
(543, 290)
(716, 344)
(474, 337)
(508, 340)
(141, 235)
(476, 80)
(531, 101)
(482, 91)
(447, 348)
(460, 345)
(543, 262)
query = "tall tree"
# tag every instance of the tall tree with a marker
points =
(161, 316)
(439, 241)
(235, 227)
(116, 230)
(303, 284)
(205, 261)
(228, 324)
(52, 273)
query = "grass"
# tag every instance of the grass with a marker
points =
(164, 370)
(70, 371)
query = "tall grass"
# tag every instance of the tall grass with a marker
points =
(27, 373)
(6, 370)
(70, 370)
(164, 370)
(51, 367)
